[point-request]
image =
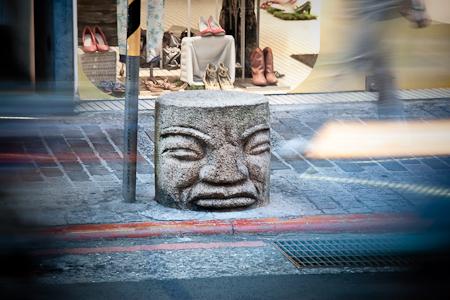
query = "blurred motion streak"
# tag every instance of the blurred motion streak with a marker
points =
(381, 139)
(415, 188)
(62, 157)
(360, 38)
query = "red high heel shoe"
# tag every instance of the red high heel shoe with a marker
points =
(204, 27)
(102, 45)
(89, 41)
(215, 26)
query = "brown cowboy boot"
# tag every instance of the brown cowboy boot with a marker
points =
(257, 65)
(269, 72)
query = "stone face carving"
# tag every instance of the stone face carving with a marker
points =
(212, 150)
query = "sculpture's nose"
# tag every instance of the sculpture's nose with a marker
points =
(225, 167)
(211, 173)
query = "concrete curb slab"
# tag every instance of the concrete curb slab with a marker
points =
(394, 222)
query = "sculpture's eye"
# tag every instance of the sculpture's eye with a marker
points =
(258, 143)
(264, 147)
(182, 147)
(183, 154)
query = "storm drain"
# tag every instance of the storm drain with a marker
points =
(374, 252)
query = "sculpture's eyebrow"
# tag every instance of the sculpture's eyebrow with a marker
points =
(254, 129)
(186, 131)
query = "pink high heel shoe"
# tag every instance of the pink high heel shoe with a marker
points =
(89, 41)
(215, 26)
(102, 45)
(204, 27)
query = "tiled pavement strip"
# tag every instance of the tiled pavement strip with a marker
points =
(75, 171)
(343, 97)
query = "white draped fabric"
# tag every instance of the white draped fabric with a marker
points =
(197, 52)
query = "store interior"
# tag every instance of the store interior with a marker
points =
(102, 73)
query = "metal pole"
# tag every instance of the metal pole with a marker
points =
(189, 19)
(243, 38)
(257, 23)
(131, 101)
(75, 48)
(217, 10)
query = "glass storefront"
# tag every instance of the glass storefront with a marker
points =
(295, 31)
(164, 68)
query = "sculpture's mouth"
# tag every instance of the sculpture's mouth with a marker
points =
(225, 202)
(207, 196)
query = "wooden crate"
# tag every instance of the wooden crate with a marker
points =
(98, 66)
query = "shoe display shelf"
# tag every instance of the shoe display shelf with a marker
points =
(98, 66)
(197, 52)
(247, 84)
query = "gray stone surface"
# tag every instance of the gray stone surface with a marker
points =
(177, 264)
(48, 200)
(212, 150)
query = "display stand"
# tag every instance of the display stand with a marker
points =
(197, 52)
(244, 83)
(247, 84)
(98, 66)
(242, 62)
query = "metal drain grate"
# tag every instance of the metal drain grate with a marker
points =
(376, 252)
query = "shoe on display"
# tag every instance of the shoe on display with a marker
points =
(209, 77)
(89, 41)
(183, 86)
(287, 7)
(118, 87)
(279, 75)
(109, 87)
(152, 85)
(269, 72)
(105, 87)
(224, 79)
(215, 26)
(267, 4)
(102, 45)
(305, 7)
(170, 85)
(258, 67)
(204, 27)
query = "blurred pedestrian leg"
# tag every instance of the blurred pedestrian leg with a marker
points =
(389, 105)
(373, 47)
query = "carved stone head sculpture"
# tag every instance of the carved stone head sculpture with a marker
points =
(212, 150)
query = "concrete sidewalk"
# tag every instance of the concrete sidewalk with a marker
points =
(275, 100)
(74, 171)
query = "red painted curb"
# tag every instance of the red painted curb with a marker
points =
(394, 221)
(389, 222)
(137, 230)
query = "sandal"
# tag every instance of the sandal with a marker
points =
(183, 86)
(154, 82)
(118, 87)
(224, 79)
(158, 80)
(164, 83)
(105, 87)
(209, 77)
(152, 85)
(171, 86)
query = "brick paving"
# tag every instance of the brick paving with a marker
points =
(73, 170)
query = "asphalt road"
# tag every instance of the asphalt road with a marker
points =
(245, 267)
(401, 285)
